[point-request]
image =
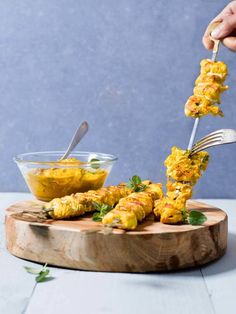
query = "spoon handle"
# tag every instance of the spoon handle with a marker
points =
(79, 134)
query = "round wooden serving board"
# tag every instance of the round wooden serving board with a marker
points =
(84, 244)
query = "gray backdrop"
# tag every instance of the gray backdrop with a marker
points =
(125, 66)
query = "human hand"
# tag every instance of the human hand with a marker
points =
(226, 31)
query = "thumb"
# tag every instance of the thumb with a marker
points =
(225, 28)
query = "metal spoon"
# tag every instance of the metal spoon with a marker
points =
(77, 137)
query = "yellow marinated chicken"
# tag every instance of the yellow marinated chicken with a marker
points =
(183, 171)
(169, 211)
(80, 203)
(181, 166)
(133, 208)
(217, 68)
(208, 89)
(209, 79)
(179, 191)
(201, 159)
(198, 106)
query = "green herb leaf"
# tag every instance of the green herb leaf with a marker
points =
(205, 158)
(184, 214)
(102, 210)
(136, 185)
(95, 163)
(196, 218)
(105, 209)
(42, 275)
(97, 206)
(32, 270)
(97, 217)
(136, 179)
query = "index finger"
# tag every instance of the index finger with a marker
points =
(206, 40)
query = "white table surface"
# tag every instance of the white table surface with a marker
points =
(209, 289)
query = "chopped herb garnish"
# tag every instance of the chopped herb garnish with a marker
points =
(205, 158)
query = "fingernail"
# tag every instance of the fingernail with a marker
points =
(216, 32)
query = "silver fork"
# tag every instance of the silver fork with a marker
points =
(219, 137)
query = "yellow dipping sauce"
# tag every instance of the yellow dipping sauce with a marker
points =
(50, 183)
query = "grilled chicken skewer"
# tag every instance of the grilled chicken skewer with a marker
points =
(183, 171)
(207, 90)
(134, 208)
(191, 106)
(80, 203)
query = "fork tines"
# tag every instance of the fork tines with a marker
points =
(209, 140)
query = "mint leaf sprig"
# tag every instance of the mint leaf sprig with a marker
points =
(136, 185)
(41, 273)
(196, 218)
(101, 211)
(193, 217)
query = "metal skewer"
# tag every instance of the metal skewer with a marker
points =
(193, 134)
(213, 58)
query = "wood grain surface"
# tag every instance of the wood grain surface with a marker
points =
(84, 244)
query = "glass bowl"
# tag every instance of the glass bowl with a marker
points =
(48, 178)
